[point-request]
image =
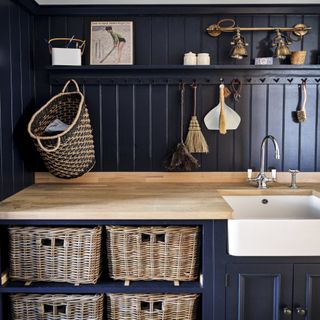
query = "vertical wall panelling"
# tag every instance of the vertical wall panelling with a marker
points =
(6, 103)
(258, 122)
(136, 124)
(126, 146)
(176, 40)
(159, 40)
(307, 132)
(16, 94)
(209, 99)
(142, 40)
(142, 125)
(317, 145)
(242, 135)
(109, 122)
(275, 122)
(291, 129)
(159, 125)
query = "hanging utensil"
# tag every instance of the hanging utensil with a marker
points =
(212, 119)
(222, 117)
(181, 158)
(236, 86)
(301, 112)
(195, 141)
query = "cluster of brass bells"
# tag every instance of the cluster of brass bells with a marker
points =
(282, 45)
(239, 46)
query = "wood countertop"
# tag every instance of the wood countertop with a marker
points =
(132, 201)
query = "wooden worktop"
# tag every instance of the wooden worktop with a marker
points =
(132, 200)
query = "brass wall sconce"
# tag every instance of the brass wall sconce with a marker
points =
(280, 41)
(239, 44)
(215, 30)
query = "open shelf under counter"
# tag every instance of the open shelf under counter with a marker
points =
(173, 74)
(102, 286)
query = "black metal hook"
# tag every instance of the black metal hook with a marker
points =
(290, 80)
(276, 80)
(317, 80)
(262, 80)
(304, 80)
(249, 80)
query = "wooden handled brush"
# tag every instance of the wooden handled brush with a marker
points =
(301, 112)
(222, 118)
(195, 141)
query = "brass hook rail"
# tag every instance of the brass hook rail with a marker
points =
(215, 30)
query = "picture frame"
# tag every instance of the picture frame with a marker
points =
(111, 43)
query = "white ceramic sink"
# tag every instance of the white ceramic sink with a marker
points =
(273, 225)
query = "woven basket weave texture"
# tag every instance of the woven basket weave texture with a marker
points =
(69, 154)
(57, 307)
(70, 255)
(153, 253)
(152, 306)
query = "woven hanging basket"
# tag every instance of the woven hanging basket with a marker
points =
(69, 154)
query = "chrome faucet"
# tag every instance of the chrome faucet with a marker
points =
(262, 178)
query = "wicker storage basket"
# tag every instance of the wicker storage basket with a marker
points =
(57, 307)
(153, 253)
(69, 154)
(55, 254)
(152, 306)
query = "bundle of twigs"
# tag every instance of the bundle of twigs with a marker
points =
(195, 141)
(181, 158)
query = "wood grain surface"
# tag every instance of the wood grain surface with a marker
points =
(133, 200)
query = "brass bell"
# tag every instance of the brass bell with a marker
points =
(281, 44)
(239, 44)
(282, 50)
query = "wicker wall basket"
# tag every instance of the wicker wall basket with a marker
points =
(70, 255)
(57, 307)
(152, 306)
(69, 154)
(153, 253)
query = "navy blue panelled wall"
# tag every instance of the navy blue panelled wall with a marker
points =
(136, 124)
(16, 96)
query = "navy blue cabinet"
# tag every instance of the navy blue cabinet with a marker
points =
(259, 291)
(306, 295)
(273, 292)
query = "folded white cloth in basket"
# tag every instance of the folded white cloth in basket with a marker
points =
(55, 127)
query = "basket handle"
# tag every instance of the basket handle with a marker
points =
(82, 43)
(46, 308)
(49, 150)
(74, 82)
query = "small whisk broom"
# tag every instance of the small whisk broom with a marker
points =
(195, 141)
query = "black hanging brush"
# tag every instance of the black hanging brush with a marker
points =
(181, 158)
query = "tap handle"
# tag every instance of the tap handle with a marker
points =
(274, 174)
(293, 172)
(249, 174)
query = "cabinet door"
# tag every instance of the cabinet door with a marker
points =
(259, 292)
(306, 300)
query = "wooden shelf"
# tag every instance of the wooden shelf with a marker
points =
(103, 286)
(85, 68)
(174, 74)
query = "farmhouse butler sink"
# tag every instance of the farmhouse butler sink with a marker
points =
(274, 225)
